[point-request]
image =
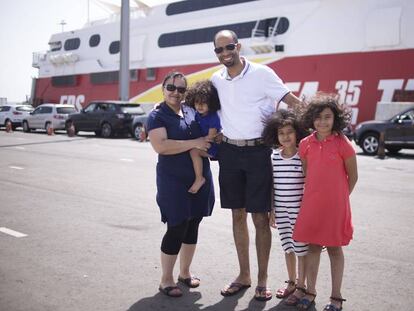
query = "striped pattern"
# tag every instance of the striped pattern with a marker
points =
(288, 182)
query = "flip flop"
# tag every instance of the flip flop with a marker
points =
(191, 282)
(168, 291)
(236, 286)
(263, 293)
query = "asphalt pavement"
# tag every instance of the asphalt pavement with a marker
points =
(80, 230)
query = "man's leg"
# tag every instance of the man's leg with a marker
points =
(263, 243)
(241, 239)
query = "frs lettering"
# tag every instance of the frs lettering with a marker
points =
(76, 101)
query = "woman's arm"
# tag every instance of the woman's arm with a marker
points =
(352, 171)
(162, 145)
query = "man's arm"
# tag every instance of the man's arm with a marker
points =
(291, 100)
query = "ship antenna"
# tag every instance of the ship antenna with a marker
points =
(62, 23)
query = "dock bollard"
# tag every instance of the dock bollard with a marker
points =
(381, 147)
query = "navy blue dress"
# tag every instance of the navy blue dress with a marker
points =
(175, 173)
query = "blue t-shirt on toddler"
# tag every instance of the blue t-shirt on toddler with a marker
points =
(209, 121)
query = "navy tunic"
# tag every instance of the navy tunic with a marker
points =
(175, 173)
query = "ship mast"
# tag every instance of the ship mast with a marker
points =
(124, 53)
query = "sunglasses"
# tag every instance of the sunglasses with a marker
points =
(172, 88)
(228, 47)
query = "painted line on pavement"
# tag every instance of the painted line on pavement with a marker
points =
(12, 232)
(127, 160)
(16, 167)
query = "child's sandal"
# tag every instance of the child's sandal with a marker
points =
(284, 292)
(305, 303)
(331, 307)
(293, 300)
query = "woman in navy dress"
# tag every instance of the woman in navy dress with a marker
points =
(173, 132)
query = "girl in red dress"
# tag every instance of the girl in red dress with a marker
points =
(329, 164)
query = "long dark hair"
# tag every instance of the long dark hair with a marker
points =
(317, 103)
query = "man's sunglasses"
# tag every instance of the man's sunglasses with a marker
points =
(228, 47)
(172, 88)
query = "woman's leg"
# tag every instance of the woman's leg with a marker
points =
(170, 247)
(336, 257)
(188, 247)
(301, 271)
(199, 181)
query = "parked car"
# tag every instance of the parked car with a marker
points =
(14, 114)
(398, 133)
(139, 127)
(46, 116)
(105, 118)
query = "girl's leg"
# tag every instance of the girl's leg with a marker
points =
(301, 271)
(312, 267)
(290, 259)
(199, 181)
(336, 257)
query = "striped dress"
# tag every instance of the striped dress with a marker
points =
(288, 183)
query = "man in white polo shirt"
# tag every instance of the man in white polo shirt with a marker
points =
(248, 94)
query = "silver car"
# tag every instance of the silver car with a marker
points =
(14, 114)
(48, 115)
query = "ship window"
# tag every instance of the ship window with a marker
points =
(94, 40)
(64, 81)
(203, 35)
(151, 74)
(72, 44)
(110, 77)
(114, 47)
(197, 5)
(55, 46)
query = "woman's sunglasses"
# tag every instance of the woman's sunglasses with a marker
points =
(172, 88)
(228, 47)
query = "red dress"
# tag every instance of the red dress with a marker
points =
(325, 213)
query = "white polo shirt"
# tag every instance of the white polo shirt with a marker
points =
(246, 100)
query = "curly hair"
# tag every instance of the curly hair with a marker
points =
(278, 120)
(203, 92)
(321, 101)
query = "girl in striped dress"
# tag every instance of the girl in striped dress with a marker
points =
(282, 131)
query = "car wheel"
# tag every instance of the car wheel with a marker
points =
(370, 143)
(26, 127)
(106, 130)
(138, 131)
(393, 150)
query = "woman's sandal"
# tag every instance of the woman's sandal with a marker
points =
(331, 307)
(304, 303)
(171, 291)
(293, 300)
(284, 292)
(191, 282)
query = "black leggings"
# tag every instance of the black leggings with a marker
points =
(187, 233)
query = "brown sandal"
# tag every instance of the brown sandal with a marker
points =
(331, 307)
(305, 303)
(293, 300)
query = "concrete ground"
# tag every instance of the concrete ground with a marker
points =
(87, 208)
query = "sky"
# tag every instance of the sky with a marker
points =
(26, 26)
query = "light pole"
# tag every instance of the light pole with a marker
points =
(63, 23)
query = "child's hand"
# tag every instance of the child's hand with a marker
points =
(272, 219)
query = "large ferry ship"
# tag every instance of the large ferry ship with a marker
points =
(362, 50)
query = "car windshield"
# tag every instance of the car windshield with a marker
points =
(132, 109)
(65, 110)
(24, 108)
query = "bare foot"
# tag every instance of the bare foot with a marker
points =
(198, 183)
